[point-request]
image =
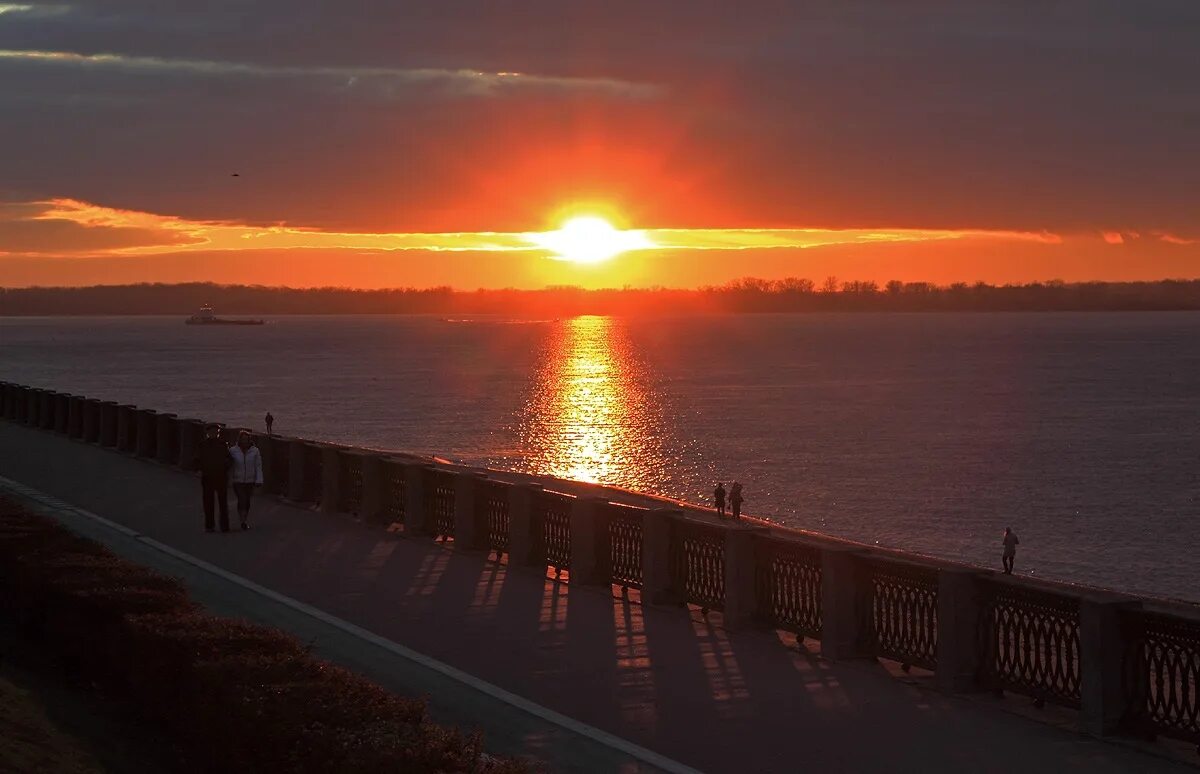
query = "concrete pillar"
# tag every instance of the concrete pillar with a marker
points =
(415, 517)
(46, 409)
(466, 527)
(656, 555)
(62, 412)
(958, 646)
(167, 442)
(740, 596)
(75, 416)
(147, 432)
(371, 505)
(297, 450)
(586, 566)
(1101, 647)
(267, 449)
(32, 401)
(521, 499)
(191, 431)
(5, 397)
(22, 400)
(106, 433)
(843, 618)
(126, 428)
(331, 479)
(89, 420)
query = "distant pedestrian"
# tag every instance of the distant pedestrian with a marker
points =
(213, 461)
(719, 499)
(247, 473)
(735, 500)
(1010, 550)
(270, 422)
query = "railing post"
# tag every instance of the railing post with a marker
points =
(168, 439)
(107, 431)
(46, 409)
(147, 432)
(62, 412)
(585, 567)
(415, 515)
(740, 597)
(958, 645)
(1101, 648)
(92, 428)
(267, 450)
(297, 450)
(32, 402)
(466, 529)
(331, 479)
(22, 401)
(126, 427)
(75, 406)
(656, 555)
(371, 504)
(190, 433)
(521, 498)
(841, 598)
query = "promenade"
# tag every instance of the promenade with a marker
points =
(660, 677)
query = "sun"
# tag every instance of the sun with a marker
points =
(590, 239)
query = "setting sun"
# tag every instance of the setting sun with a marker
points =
(590, 239)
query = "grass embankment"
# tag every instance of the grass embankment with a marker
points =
(29, 741)
(232, 696)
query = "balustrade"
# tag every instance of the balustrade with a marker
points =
(1030, 642)
(788, 585)
(697, 558)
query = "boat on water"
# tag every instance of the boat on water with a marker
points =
(206, 317)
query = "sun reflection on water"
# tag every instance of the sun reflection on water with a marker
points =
(593, 415)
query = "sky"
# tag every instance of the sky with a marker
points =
(381, 144)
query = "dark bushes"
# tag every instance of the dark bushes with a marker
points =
(238, 697)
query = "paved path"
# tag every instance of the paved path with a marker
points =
(659, 677)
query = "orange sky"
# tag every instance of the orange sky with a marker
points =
(72, 242)
(429, 144)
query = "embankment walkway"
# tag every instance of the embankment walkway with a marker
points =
(664, 679)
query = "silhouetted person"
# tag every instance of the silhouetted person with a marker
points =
(1010, 550)
(214, 462)
(270, 422)
(246, 474)
(735, 500)
(719, 499)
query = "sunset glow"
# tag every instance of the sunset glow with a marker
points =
(590, 239)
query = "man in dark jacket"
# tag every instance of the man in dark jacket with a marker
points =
(213, 461)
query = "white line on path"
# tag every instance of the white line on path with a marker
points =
(550, 716)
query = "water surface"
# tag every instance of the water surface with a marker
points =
(927, 432)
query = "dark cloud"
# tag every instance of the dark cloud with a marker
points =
(31, 229)
(1061, 115)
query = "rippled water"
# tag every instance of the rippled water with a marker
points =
(929, 432)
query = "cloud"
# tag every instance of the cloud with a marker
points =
(377, 82)
(1113, 237)
(66, 227)
(1172, 239)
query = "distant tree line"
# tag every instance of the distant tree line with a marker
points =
(747, 295)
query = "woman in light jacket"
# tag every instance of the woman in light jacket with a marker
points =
(246, 473)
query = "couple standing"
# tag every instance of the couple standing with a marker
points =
(220, 464)
(735, 499)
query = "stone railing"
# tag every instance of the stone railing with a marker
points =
(1128, 664)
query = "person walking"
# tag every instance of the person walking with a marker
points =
(1010, 550)
(735, 500)
(247, 473)
(719, 499)
(213, 462)
(270, 422)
